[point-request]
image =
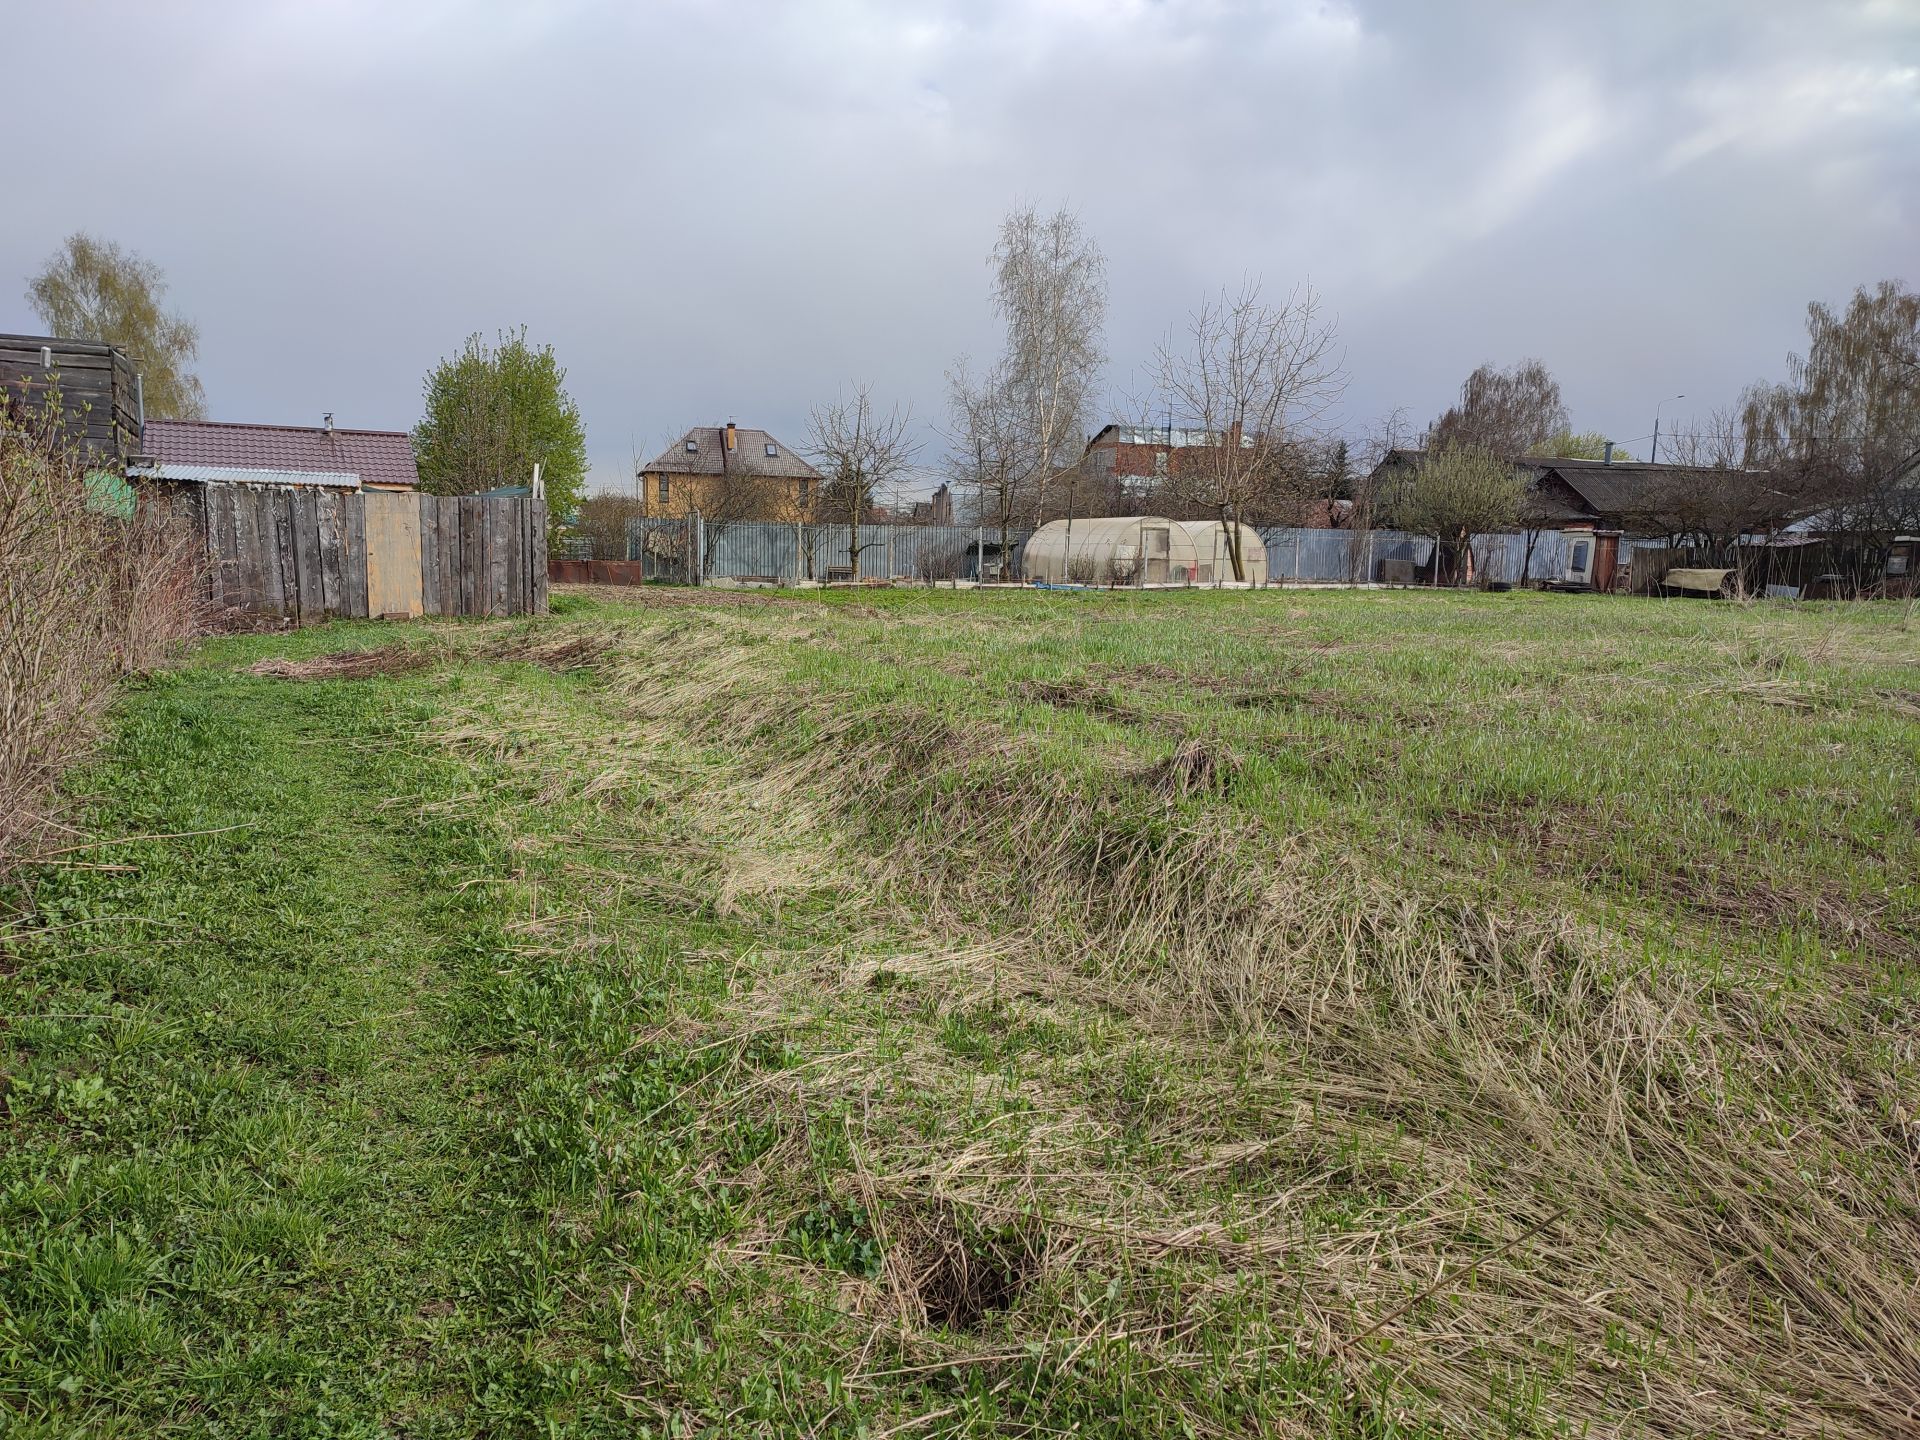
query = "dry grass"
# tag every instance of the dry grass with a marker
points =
(1449, 1153)
(85, 599)
(345, 664)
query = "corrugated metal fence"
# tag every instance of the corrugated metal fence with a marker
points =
(1331, 557)
(687, 550)
(782, 554)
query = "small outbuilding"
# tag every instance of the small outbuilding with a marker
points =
(1114, 550)
(1213, 551)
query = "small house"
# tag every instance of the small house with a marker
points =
(217, 452)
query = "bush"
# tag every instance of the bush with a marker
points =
(85, 598)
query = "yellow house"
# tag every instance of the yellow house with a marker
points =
(727, 470)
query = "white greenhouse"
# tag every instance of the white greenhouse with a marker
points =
(1212, 548)
(1118, 550)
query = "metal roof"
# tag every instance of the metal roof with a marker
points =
(373, 457)
(248, 475)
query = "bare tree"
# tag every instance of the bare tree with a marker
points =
(988, 451)
(861, 451)
(1508, 412)
(736, 495)
(1050, 291)
(1257, 379)
(603, 524)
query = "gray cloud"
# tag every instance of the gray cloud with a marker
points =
(733, 210)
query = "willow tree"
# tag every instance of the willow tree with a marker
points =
(1842, 433)
(1508, 412)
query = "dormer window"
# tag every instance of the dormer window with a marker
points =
(772, 450)
(693, 447)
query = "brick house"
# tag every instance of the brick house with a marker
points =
(1128, 463)
(692, 473)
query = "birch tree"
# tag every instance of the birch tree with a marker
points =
(91, 289)
(1050, 291)
(1257, 379)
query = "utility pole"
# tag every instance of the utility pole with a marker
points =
(1653, 457)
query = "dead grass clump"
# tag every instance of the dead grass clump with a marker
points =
(568, 651)
(1196, 767)
(347, 664)
(87, 596)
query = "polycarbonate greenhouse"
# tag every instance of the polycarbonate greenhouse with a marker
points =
(1126, 550)
(1212, 548)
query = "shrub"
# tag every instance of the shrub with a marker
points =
(85, 598)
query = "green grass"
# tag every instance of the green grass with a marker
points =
(1360, 1014)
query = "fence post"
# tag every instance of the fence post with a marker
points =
(796, 554)
(979, 555)
(1366, 576)
(889, 553)
(698, 531)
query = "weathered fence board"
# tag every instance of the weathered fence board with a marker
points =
(310, 554)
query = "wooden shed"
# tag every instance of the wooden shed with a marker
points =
(99, 389)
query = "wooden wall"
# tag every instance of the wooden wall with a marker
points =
(96, 389)
(302, 552)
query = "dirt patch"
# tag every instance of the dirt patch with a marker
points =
(346, 664)
(956, 1274)
(1571, 843)
(680, 597)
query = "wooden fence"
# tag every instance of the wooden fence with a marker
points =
(310, 553)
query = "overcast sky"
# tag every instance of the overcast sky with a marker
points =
(718, 211)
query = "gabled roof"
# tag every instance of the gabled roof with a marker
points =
(711, 457)
(1606, 490)
(279, 454)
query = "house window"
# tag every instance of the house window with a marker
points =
(803, 487)
(772, 450)
(663, 489)
(1577, 562)
(693, 447)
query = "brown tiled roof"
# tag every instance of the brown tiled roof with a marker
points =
(749, 456)
(378, 457)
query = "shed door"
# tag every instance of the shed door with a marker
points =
(1156, 541)
(393, 553)
(1580, 559)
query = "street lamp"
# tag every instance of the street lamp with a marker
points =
(1654, 457)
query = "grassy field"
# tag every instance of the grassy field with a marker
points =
(906, 1014)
